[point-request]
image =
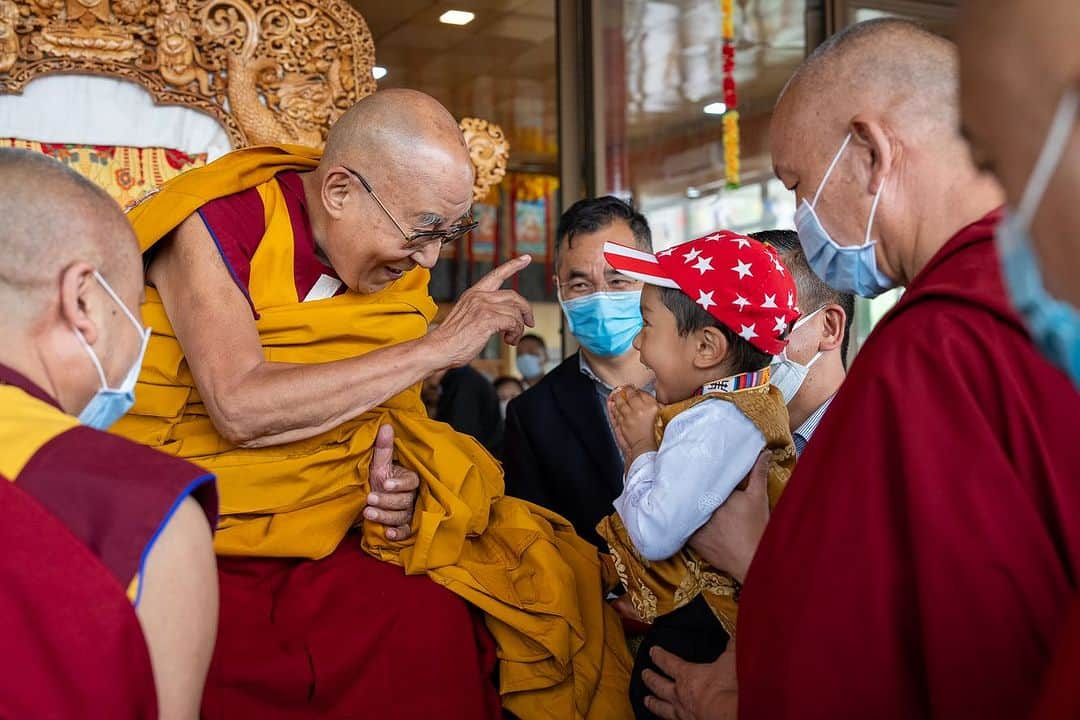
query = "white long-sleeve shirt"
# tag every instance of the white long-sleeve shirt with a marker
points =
(670, 493)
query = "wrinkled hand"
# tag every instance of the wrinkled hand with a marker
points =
(730, 538)
(692, 691)
(482, 311)
(393, 489)
(633, 415)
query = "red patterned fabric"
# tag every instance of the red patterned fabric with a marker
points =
(736, 279)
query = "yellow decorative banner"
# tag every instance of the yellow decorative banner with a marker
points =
(126, 173)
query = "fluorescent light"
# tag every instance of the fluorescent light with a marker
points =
(692, 192)
(378, 72)
(456, 17)
(715, 108)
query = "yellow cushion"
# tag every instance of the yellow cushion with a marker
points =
(126, 173)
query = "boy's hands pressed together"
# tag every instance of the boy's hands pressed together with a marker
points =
(633, 415)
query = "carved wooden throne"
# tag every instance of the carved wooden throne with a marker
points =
(268, 71)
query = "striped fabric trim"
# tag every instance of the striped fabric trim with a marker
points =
(637, 264)
(745, 381)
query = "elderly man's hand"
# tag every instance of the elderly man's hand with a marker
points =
(393, 489)
(730, 538)
(692, 691)
(482, 311)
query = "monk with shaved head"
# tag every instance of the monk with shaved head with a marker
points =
(107, 551)
(287, 291)
(1020, 97)
(927, 546)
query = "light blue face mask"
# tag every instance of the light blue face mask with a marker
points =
(1054, 325)
(529, 366)
(110, 404)
(847, 268)
(605, 323)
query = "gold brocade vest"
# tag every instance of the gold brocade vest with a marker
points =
(560, 647)
(658, 588)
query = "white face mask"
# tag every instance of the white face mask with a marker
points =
(788, 375)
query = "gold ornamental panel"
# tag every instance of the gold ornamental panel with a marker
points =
(270, 71)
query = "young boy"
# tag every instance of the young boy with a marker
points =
(716, 310)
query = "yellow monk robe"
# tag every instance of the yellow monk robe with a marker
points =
(561, 649)
(658, 588)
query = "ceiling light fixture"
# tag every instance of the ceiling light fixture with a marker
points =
(456, 17)
(378, 72)
(715, 108)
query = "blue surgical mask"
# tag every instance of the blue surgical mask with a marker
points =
(110, 404)
(847, 268)
(605, 323)
(1054, 325)
(529, 366)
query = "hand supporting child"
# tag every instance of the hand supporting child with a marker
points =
(633, 418)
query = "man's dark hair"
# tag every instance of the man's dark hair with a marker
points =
(535, 337)
(691, 317)
(813, 293)
(589, 216)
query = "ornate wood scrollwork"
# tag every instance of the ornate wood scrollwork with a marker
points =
(270, 71)
(490, 152)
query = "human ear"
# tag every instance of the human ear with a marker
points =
(832, 328)
(335, 191)
(870, 134)
(75, 300)
(710, 348)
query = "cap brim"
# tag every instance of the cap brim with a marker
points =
(637, 264)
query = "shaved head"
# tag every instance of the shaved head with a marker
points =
(891, 85)
(896, 66)
(411, 152)
(403, 128)
(54, 217)
(62, 238)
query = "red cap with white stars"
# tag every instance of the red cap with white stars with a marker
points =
(736, 279)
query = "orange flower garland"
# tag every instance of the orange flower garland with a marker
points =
(731, 116)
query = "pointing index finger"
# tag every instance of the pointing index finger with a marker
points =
(494, 279)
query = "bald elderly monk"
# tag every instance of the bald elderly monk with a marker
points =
(1025, 55)
(290, 312)
(925, 554)
(108, 591)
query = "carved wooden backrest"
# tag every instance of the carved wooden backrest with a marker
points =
(270, 71)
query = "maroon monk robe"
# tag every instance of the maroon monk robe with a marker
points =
(1060, 697)
(72, 646)
(923, 558)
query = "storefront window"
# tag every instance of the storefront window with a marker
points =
(662, 81)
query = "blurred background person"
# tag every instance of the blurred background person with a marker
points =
(532, 358)
(507, 388)
(466, 400)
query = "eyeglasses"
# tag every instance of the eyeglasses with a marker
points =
(420, 237)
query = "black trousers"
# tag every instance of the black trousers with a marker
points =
(692, 632)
